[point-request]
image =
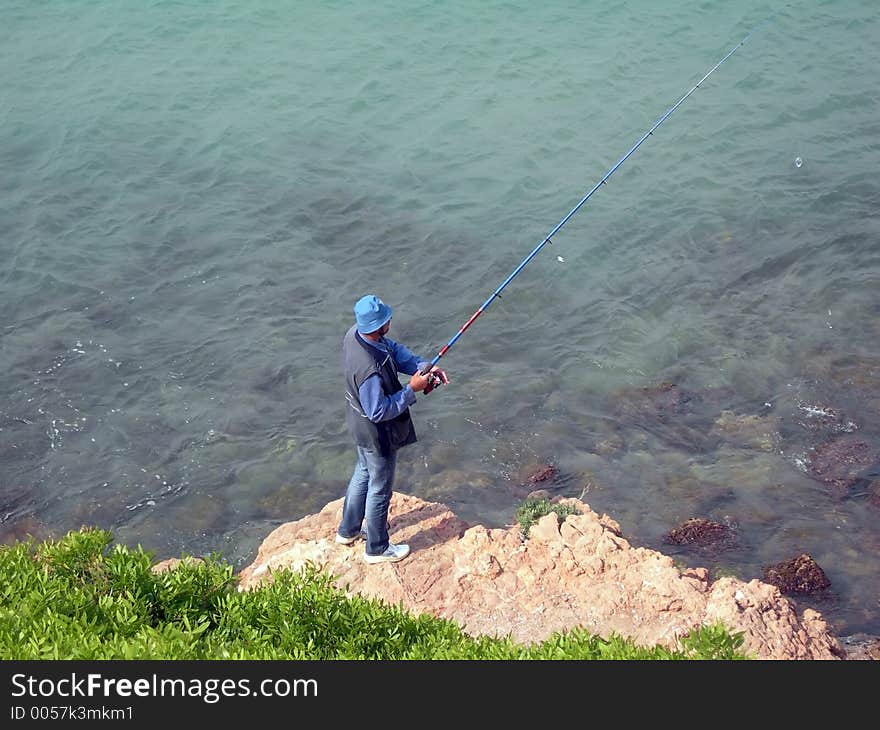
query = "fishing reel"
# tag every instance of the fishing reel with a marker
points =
(434, 381)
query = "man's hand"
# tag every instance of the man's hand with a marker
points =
(441, 374)
(428, 381)
(419, 382)
(436, 378)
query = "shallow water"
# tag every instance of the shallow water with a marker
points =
(194, 195)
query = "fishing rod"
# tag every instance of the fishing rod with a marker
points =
(435, 381)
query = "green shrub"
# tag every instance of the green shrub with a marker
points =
(532, 509)
(80, 598)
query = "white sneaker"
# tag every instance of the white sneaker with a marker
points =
(392, 554)
(362, 535)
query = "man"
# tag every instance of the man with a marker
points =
(377, 415)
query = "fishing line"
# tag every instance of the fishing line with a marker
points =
(547, 239)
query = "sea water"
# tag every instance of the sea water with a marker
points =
(195, 194)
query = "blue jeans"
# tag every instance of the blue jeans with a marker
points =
(368, 497)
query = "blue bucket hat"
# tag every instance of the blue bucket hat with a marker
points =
(371, 313)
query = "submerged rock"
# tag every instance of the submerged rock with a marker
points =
(700, 532)
(859, 375)
(874, 493)
(842, 463)
(748, 430)
(543, 473)
(660, 401)
(815, 417)
(665, 411)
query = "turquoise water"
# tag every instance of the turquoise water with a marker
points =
(194, 195)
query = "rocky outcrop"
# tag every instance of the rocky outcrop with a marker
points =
(579, 571)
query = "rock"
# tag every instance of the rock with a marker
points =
(665, 411)
(579, 571)
(861, 646)
(657, 403)
(858, 376)
(668, 397)
(842, 462)
(817, 417)
(748, 431)
(771, 629)
(22, 528)
(798, 575)
(543, 473)
(700, 532)
(874, 493)
(163, 566)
